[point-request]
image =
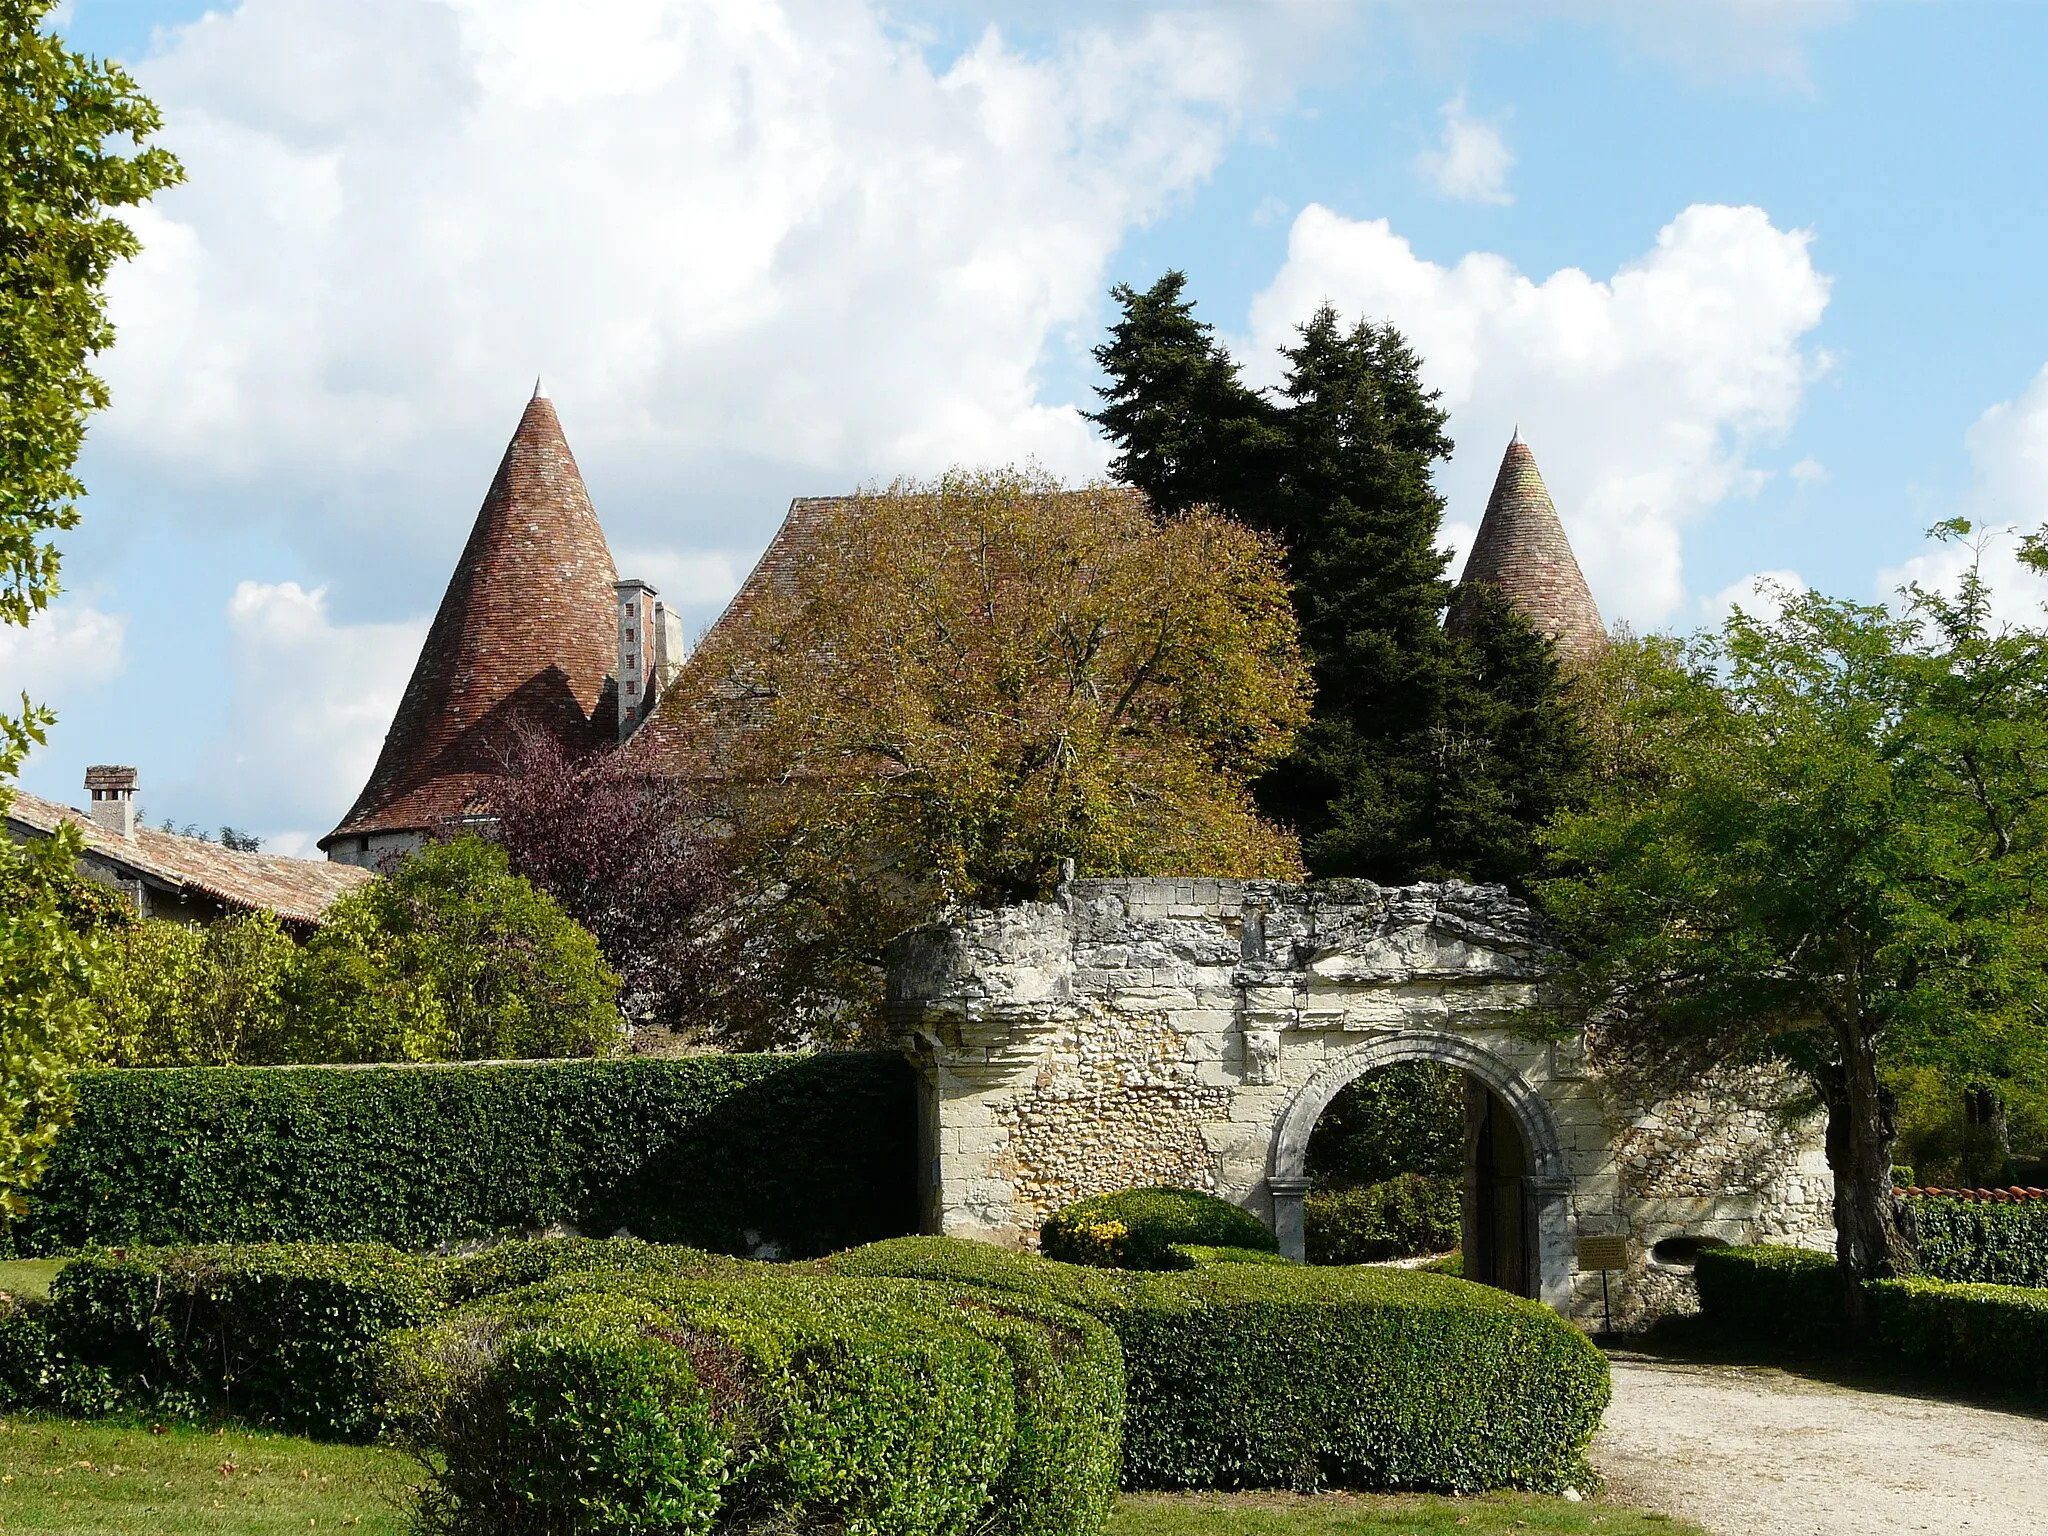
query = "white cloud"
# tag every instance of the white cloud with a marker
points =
(312, 700)
(684, 578)
(69, 646)
(1809, 471)
(1761, 596)
(769, 233)
(1472, 161)
(2008, 496)
(1642, 395)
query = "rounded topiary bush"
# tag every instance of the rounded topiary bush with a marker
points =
(1141, 1228)
(612, 1398)
(1255, 1376)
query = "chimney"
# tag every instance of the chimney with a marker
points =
(651, 652)
(671, 650)
(113, 798)
(637, 645)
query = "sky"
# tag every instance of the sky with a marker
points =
(1758, 280)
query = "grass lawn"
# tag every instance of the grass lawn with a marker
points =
(61, 1477)
(29, 1277)
(1357, 1514)
(64, 1477)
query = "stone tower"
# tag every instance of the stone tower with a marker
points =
(1522, 550)
(525, 632)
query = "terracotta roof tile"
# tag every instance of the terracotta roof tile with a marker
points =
(298, 890)
(708, 706)
(1522, 550)
(526, 630)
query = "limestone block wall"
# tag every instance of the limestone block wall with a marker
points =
(1189, 1031)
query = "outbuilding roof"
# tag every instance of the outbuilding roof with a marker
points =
(526, 631)
(297, 890)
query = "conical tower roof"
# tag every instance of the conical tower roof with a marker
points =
(526, 631)
(1522, 550)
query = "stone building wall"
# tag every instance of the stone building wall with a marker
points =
(1189, 1032)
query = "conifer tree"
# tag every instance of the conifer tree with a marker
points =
(1426, 755)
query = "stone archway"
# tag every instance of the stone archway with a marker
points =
(1189, 1032)
(1546, 1185)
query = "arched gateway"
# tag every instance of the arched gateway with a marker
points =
(1190, 1032)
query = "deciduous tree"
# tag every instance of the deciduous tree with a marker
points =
(1820, 838)
(962, 684)
(638, 859)
(452, 957)
(73, 131)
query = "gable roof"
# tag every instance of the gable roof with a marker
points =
(693, 728)
(527, 630)
(1522, 550)
(298, 890)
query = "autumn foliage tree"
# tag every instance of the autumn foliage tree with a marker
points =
(962, 683)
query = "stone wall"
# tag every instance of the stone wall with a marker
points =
(1189, 1032)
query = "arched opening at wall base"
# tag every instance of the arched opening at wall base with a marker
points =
(1514, 1208)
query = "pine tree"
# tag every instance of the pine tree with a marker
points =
(1426, 755)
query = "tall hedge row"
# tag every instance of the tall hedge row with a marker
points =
(786, 1155)
(1983, 1242)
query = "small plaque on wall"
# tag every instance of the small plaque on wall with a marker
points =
(1603, 1253)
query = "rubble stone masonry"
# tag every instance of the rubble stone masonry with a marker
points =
(1189, 1032)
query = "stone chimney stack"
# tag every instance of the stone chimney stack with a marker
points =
(637, 629)
(651, 652)
(113, 798)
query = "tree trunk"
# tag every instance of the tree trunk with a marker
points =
(1872, 1238)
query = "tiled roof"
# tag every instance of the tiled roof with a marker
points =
(709, 705)
(298, 890)
(527, 629)
(1522, 550)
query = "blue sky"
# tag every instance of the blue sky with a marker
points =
(1759, 281)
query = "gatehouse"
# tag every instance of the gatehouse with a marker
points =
(1191, 1032)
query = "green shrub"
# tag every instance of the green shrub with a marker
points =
(1983, 1242)
(1990, 1332)
(174, 995)
(1139, 1229)
(1196, 1253)
(528, 1261)
(1256, 1376)
(596, 1422)
(1406, 1118)
(276, 1333)
(451, 957)
(1401, 1218)
(733, 1153)
(1793, 1295)
(860, 1406)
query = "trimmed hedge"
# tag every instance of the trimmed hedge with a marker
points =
(1993, 1332)
(1142, 1228)
(279, 1334)
(1983, 1242)
(1248, 1376)
(626, 1400)
(1401, 1218)
(784, 1154)
(1793, 1295)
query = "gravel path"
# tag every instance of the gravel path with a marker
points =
(1747, 1451)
